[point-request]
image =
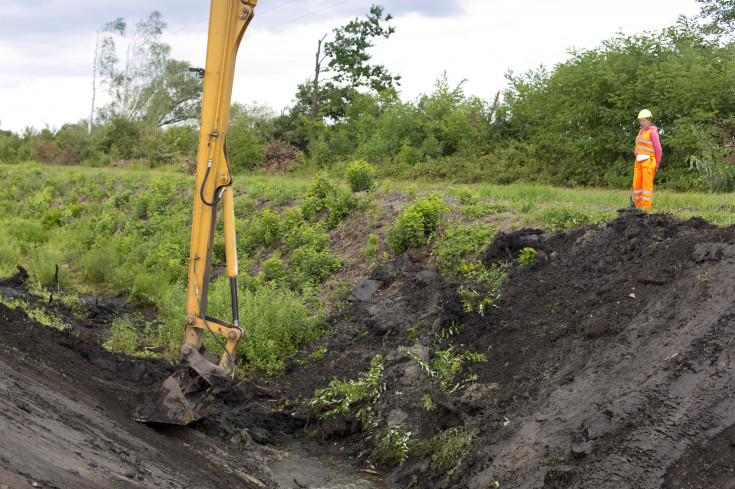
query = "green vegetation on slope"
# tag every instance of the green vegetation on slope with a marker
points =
(303, 244)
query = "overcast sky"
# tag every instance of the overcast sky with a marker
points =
(47, 46)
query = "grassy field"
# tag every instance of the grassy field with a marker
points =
(303, 242)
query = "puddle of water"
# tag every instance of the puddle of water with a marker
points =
(299, 469)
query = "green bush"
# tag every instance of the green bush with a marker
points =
(28, 234)
(311, 266)
(42, 264)
(131, 334)
(263, 229)
(466, 196)
(360, 176)
(459, 241)
(325, 200)
(278, 324)
(340, 204)
(307, 235)
(274, 270)
(122, 138)
(418, 220)
(9, 257)
(98, 264)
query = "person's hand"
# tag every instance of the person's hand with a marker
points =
(657, 165)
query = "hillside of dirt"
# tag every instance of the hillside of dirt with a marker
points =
(609, 363)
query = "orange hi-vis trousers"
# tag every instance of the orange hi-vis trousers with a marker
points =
(643, 182)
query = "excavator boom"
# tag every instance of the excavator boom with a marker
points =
(185, 396)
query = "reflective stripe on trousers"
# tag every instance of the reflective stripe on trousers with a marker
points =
(643, 182)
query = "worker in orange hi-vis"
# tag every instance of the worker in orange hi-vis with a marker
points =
(647, 160)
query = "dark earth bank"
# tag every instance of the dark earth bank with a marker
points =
(608, 364)
(67, 412)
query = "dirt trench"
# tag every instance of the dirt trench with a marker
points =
(608, 364)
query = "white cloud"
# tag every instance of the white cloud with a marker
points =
(46, 79)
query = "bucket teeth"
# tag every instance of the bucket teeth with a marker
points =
(182, 398)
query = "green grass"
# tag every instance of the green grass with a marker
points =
(127, 232)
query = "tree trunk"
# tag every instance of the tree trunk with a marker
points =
(94, 82)
(315, 83)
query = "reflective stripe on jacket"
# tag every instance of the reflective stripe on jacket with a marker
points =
(643, 143)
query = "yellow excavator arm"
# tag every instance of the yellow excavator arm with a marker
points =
(185, 396)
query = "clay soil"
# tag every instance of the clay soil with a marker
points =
(609, 364)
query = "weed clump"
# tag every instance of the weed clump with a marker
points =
(418, 221)
(130, 335)
(448, 450)
(558, 219)
(278, 323)
(458, 241)
(353, 398)
(391, 445)
(360, 176)
(527, 255)
(446, 365)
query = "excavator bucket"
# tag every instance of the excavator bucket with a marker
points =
(182, 398)
(189, 395)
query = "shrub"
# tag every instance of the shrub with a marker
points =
(419, 220)
(459, 241)
(466, 196)
(130, 334)
(360, 176)
(51, 218)
(9, 257)
(312, 266)
(279, 156)
(277, 323)
(42, 265)
(99, 262)
(274, 270)
(340, 204)
(307, 235)
(321, 196)
(391, 446)
(264, 229)
(28, 234)
(715, 177)
(372, 244)
(446, 365)
(121, 138)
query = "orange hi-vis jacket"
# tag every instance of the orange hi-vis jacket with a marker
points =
(644, 144)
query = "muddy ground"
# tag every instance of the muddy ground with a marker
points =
(609, 364)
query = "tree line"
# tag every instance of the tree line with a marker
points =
(572, 124)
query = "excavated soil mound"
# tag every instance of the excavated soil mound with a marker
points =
(609, 362)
